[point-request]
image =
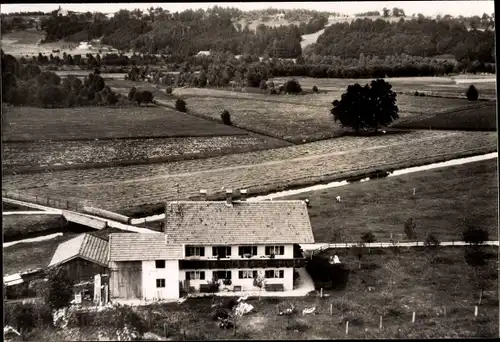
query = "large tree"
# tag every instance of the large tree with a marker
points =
(372, 106)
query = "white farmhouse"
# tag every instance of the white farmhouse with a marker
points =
(206, 240)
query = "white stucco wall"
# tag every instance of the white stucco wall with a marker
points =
(261, 251)
(171, 275)
(246, 284)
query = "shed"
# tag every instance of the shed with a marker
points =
(83, 257)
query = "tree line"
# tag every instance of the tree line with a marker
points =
(27, 84)
(417, 37)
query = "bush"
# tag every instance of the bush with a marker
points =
(472, 93)
(292, 87)
(118, 318)
(169, 90)
(315, 89)
(27, 316)
(226, 118)
(416, 93)
(180, 105)
(263, 85)
(475, 235)
(58, 290)
(431, 240)
(220, 313)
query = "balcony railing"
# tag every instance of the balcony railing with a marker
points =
(241, 263)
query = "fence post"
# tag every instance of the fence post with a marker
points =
(475, 311)
(347, 328)
(413, 317)
(380, 323)
(331, 309)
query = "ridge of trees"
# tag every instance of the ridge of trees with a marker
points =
(217, 29)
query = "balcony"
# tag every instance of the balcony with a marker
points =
(241, 263)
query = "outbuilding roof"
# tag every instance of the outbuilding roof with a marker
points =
(217, 222)
(85, 246)
(148, 246)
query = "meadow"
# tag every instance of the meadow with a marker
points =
(142, 189)
(82, 123)
(421, 284)
(478, 118)
(18, 226)
(445, 201)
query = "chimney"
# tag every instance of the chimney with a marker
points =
(244, 194)
(229, 196)
(203, 193)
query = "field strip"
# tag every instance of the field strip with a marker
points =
(7, 213)
(322, 246)
(269, 163)
(40, 238)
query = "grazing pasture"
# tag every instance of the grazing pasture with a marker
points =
(300, 118)
(478, 118)
(421, 284)
(445, 200)
(141, 189)
(81, 123)
(22, 225)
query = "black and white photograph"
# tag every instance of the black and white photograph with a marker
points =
(249, 171)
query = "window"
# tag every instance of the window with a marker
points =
(195, 251)
(160, 263)
(222, 274)
(247, 274)
(160, 283)
(275, 274)
(247, 250)
(221, 251)
(276, 250)
(192, 275)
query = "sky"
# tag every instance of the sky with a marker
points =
(454, 8)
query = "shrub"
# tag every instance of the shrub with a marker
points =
(27, 316)
(272, 91)
(119, 318)
(58, 290)
(263, 85)
(169, 90)
(144, 96)
(292, 87)
(220, 313)
(315, 89)
(472, 93)
(475, 235)
(431, 240)
(226, 118)
(416, 93)
(230, 303)
(180, 105)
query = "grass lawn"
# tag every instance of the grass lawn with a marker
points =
(423, 282)
(480, 118)
(444, 198)
(25, 256)
(17, 226)
(27, 124)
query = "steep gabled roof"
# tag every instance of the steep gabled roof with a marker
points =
(85, 246)
(148, 246)
(216, 222)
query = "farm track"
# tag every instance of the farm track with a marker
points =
(125, 188)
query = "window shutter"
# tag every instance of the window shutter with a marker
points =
(255, 274)
(228, 275)
(282, 274)
(188, 251)
(202, 275)
(268, 250)
(241, 251)
(202, 251)
(214, 251)
(188, 275)
(282, 250)
(228, 251)
(254, 250)
(240, 274)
